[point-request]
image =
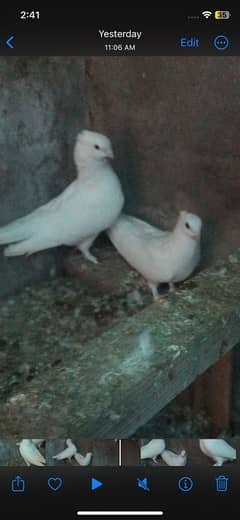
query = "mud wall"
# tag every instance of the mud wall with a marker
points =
(42, 107)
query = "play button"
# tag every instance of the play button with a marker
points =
(95, 484)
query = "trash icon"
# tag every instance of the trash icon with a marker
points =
(222, 483)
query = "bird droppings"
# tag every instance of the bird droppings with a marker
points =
(53, 272)
(15, 399)
(114, 417)
(176, 350)
(233, 259)
(136, 361)
(145, 344)
(134, 298)
(107, 377)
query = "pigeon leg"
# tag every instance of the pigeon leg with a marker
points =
(90, 257)
(171, 287)
(219, 461)
(84, 248)
(156, 295)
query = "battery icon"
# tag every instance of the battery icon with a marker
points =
(222, 15)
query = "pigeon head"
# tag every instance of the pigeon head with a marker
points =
(190, 224)
(92, 146)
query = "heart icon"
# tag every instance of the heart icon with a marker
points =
(55, 483)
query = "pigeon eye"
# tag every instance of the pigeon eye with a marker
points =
(97, 147)
(187, 225)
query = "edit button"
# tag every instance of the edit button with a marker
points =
(189, 42)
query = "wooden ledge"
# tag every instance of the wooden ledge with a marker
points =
(119, 382)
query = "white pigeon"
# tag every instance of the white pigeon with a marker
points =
(30, 453)
(68, 452)
(86, 207)
(218, 450)
(83, 460)
(71, 451)
(172, 459)
(152, 449)
(160, 256)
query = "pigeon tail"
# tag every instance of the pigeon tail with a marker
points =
(20, 229)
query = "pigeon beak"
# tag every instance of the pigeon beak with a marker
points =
(110, 155)
(194, 235)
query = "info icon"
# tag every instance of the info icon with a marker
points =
(185, 484)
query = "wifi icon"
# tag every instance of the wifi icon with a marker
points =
(206, 14)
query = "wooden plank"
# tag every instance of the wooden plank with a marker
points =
(115, 386)
(212, 394)
(130, 452)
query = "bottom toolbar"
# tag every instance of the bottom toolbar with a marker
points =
(130, 491)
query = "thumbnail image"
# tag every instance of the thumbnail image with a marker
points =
(59, 452)
(118, 452)
(119, 252)
(183, 452)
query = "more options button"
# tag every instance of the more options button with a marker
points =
(221, 42)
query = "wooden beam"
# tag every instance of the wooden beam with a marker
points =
(116, 385)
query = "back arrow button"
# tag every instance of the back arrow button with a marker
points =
(9, 42)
